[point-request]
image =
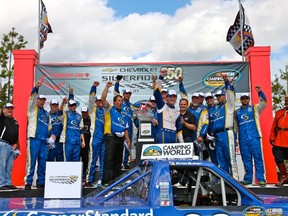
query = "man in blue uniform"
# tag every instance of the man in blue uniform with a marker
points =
(169, 118)
(223, 128)
(250, 136)
(71, 135)
(128, 112)
(9, 143)
(57, 152)
(115, 132)
(97, 144)
(38, 132)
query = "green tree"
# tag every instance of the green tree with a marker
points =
(278, 93)
(284, 76)
(10, 42)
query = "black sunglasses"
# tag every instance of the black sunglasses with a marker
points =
(244, 98)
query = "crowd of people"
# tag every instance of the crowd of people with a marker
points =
(104, 131)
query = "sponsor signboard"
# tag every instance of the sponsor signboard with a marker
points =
(198, 77)
(167, 151)
(63, 180)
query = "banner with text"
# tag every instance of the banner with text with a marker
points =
(204, 77)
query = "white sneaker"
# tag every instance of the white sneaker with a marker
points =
(99, 184)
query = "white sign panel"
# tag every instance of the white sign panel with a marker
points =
(167, 151)
(63, 180)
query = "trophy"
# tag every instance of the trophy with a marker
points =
(145, 115)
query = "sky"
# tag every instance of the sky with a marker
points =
(104, 31)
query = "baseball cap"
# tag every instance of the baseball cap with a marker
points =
(7, 105)
(41, 97)
(54, 101)
(171, 92)
(127, 91)
(84, 109)
(220, 92)
(152, 98)
(245, 95)
(195, 94)
(164, 90)
(208, 95)
(98, 97)
(201, 94)
(71, 102)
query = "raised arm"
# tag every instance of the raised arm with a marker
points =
(71, 93)
(182, 89)
(262, 100)
(92, 95)
(117, 84)
(157, 89)
(230, 94)
(33, 97)
(104, 94)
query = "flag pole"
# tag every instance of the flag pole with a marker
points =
(39, 15)
(241, 27)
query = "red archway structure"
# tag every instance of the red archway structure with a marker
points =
(24, 64)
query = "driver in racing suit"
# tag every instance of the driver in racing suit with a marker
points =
(169, 118)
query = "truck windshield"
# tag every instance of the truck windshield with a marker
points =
(131, 189)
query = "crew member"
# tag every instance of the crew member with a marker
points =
(38, 131)
(210, 138)
(223, 128)
(71, 135)
(97, 143)
(128, 112)
(115, 131)
(9, 145)
(201, 114)
(250, 136)
(55, 153)
(188, 121)
(87, 135)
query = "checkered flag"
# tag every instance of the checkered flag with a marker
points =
(234, 33)
(148, 85)
(45, 27)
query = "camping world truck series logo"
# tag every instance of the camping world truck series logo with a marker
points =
(152, 151)
(71, 179)
(214, 79)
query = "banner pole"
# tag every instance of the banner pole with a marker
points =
(39, 15)
(241, 27)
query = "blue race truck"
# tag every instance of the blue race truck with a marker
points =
(159, 187)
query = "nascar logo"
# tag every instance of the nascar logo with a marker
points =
(214, 79)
